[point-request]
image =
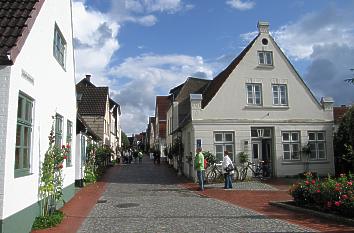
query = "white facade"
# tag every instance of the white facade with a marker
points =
(230, 113)
(37, 74)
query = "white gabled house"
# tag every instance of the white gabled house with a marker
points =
(260, 105)
(36, 83)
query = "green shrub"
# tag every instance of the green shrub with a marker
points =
(47, 221)
(210, 158)
(243, 157)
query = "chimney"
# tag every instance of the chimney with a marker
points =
(263, 27)
(88, 77)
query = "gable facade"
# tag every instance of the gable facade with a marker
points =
(37, 83)
(260, 105)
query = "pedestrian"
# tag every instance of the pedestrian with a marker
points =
(199, 166)
(228, 170)
(155, 156)
(140, 155)
(158, 157)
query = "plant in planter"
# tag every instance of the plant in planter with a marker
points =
(51, 184)
(210, 158)
(243, 157)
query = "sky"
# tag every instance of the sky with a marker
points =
(144, 48)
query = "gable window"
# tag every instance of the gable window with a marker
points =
(59, 46)
(317, 145)
(223, 141)
(265, 58)
(69, 135)
(58, 130)
(254, 93)
(291, 145)
(23, 135)
(280, 95)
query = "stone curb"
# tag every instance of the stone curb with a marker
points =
(286, 205)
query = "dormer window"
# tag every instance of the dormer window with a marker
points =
(265, 58)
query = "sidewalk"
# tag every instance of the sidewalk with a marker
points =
(258, 201)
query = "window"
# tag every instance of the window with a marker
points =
(23, 135)
(280, 95)
(291, 145)
(59, 46)
(317, 145)
(223, 141)
(265, 58)
(69, 135)
(58, 130)
(254, 94)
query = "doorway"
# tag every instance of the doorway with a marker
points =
(262, 149)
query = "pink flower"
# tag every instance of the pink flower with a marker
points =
(350, 183)
(337, 185)
(313, 181)
(344, 196)
(68, 146)
(318, 191)
(65, 157)
(337, 189)
(337, 203)
(307, 182)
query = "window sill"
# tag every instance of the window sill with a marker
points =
(22, 173)
(267, 107)
(299, 162)
(269, 67)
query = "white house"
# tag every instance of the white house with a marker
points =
(260, 105)
(36, 84)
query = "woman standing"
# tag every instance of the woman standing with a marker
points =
(228, 170)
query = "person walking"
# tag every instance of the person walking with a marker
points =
(140, 155)
(228, 170)
(199, 166)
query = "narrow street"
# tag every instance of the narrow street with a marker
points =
(151, 198)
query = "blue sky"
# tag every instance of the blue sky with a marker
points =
(143, 48)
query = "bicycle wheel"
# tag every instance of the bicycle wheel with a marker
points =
(236, 174)
(211, 176)
(243, 173)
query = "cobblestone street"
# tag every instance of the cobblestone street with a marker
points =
(150, 198)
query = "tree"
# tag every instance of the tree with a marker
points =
(125, 140)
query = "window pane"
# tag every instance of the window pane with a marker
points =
(267, 133)
(219, 149)
(321, 146)
(295, 147)
(313, 150)
(28, 116)
(286, 137)
(230, 149)
(286, 155)
(320, 136)
(312, 136)
(17, 158)
(261, 58)
(269, 58)
(25, 158)
(18, 135)
(294, 137)
(19, 107)
(218, 137)
(255, 151)
(286, 147)
(219, 157)
(295, 155)
(26, 136)
(321, 154)
(228, 137)
(254, 133)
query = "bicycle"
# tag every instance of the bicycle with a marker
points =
(257, 170)
(214, 174)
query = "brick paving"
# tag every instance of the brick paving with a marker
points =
(150, 198)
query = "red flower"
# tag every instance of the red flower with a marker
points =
(307, 182)
(68, 146)
(337, 189)
(337, 203)
(63, 147)
(337, 185)
(344, 196)
(313, 181)
(318, 191)
(65, 157)
(350, 183)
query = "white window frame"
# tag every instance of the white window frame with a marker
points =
(251, 95)
(280, 98)
(315, 143)
(265, 58)
(291, 142)
(225, 144)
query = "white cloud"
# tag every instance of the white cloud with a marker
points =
(149, 75)
(329, 26)
(95, 37)
(240, 5)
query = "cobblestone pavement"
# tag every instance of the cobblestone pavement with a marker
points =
(148, 198)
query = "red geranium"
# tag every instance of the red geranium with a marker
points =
(337, 203)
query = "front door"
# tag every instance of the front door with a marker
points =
(262, 148)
